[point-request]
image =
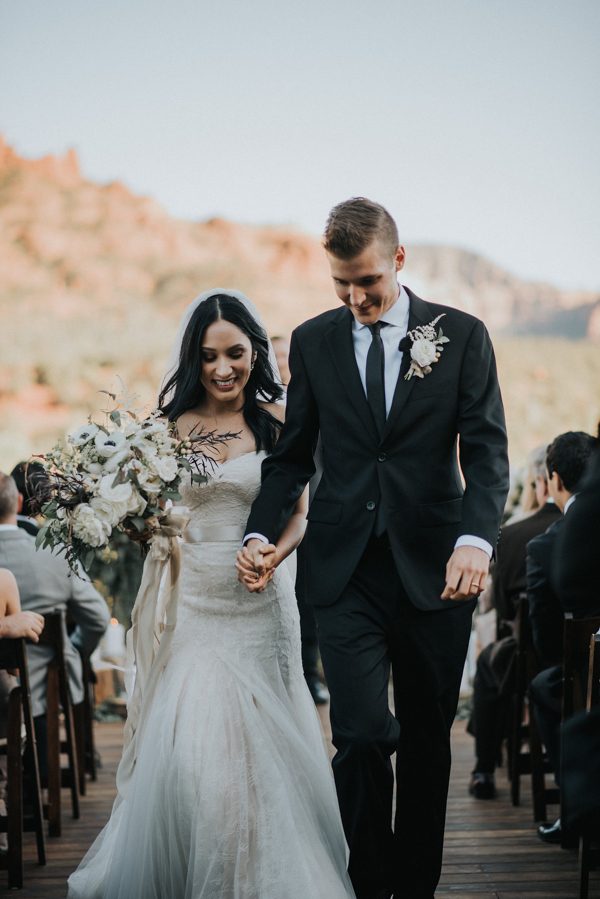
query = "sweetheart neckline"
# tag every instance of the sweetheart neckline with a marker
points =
(241, 456)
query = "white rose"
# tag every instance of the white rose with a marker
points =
(83, 435)
(109, 444)
(423, 352)
(120, 494)
(108, 513)
(165, 467)
(87, 527)
(137, 504)
(149, 481)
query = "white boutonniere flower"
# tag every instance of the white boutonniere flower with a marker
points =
(426, 345)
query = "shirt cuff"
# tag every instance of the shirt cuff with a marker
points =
(470, 540)
(260, 537)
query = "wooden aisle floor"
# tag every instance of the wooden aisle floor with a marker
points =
(492, 851)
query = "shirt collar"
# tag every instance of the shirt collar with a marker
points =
(395, 315)
(568, 504)
(8, 527)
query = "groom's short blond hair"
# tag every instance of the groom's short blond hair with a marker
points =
(354, 224)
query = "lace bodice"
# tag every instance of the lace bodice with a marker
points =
(227, 496)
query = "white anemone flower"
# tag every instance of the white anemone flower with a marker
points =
(109, 444)
(83, 434)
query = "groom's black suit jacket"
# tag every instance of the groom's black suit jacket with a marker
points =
(413, 469)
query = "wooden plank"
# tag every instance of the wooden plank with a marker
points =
(492, 849)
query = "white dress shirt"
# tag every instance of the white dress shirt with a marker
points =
(396, 319)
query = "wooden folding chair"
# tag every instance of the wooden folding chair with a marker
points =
(57, 698)
(24, 795)
(523, 730)
(577, 634)
(589, 857)
(83, 718)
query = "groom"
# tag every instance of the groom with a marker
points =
(398, 544)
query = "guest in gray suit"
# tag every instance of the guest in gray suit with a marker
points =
(46, 585)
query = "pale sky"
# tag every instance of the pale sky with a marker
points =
(474, 121)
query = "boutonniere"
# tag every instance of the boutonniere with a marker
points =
(426, 345)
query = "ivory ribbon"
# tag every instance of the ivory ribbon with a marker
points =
(218, 533)
(148, 640)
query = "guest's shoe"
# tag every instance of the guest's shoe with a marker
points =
(318, 691)
(482, 786)
(550, 833)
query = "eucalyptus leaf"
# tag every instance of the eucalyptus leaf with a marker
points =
(41, 536)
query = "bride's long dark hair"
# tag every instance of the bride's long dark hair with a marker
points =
(184, 389)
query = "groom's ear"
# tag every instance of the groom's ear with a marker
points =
(399, 258)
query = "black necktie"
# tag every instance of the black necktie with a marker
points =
(376, 376)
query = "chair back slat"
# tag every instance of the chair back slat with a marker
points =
(593, 687)
(577, 633)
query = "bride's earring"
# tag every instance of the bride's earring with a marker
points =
(253, 363)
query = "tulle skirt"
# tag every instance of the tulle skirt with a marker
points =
(232, 795)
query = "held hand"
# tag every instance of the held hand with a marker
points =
(466, 573)
(22, 624)
(255, 564)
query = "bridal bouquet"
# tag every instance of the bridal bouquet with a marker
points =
(119, 476)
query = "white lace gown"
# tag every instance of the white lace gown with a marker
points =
(232, 795)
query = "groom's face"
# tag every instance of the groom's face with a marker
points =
(368, 283)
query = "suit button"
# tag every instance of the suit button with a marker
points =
(381, 457)
(370, 505)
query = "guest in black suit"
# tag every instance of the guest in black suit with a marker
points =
(491, 687)
(566, 461)
(397, 551)
(576, 581)
(308, 623)
(576, 560)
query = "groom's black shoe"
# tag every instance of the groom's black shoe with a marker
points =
(318, 691)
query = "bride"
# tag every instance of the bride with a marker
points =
(230, 793)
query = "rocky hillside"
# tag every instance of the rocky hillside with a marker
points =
(94, 278)
(80, 245)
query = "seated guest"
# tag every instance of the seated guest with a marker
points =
(31, 480)
(575, 581)
(13, 624)
(566, 460)
(46, 585)
(491, 694)
(576, 560)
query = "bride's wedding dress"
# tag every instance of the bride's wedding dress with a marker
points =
(232, 795)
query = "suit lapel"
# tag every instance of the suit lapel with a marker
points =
(419, 313)
(341, 346)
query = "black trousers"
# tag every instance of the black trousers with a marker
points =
(488, 722)
(371, 628)
(308, 624)
(545, 692)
